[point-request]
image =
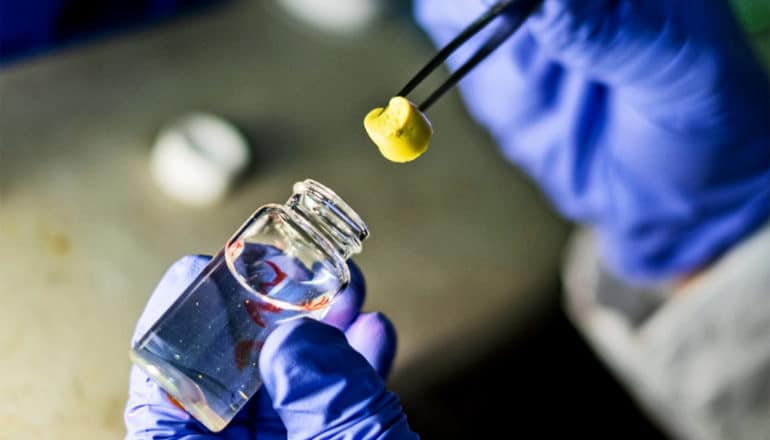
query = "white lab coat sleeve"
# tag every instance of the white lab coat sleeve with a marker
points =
(696, 358)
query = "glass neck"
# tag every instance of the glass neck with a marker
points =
(329, 216)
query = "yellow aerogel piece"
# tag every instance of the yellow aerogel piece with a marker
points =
(400, 130)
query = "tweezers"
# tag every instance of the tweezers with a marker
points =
(516, 12)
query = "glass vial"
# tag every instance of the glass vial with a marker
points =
(286, 261)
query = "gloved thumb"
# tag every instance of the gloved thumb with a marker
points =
(632, 42)
(321, 387)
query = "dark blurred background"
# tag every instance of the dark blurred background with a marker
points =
(464, 254)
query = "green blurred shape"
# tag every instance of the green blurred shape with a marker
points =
(753, 14)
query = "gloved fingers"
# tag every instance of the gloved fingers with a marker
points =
(597, 36)
(262, 417)
(174, 282)
(348, 305)
(604, 37)
(635, 43)
(149, 408)
(373, 335)
(322, 387)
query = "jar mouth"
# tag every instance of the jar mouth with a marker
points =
(339, 221)
(281, 259)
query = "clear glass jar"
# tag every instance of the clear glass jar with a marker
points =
(285, 262)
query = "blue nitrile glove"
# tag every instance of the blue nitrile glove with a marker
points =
(318, 381)
(648, 119)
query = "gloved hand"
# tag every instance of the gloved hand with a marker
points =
(318, 381)
(648, 119)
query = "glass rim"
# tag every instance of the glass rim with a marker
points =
(342, 209)
(285, 305)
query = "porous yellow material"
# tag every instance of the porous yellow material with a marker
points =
(400, 130)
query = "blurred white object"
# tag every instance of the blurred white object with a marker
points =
(699, 364)
(196, 159)
(341, 16)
